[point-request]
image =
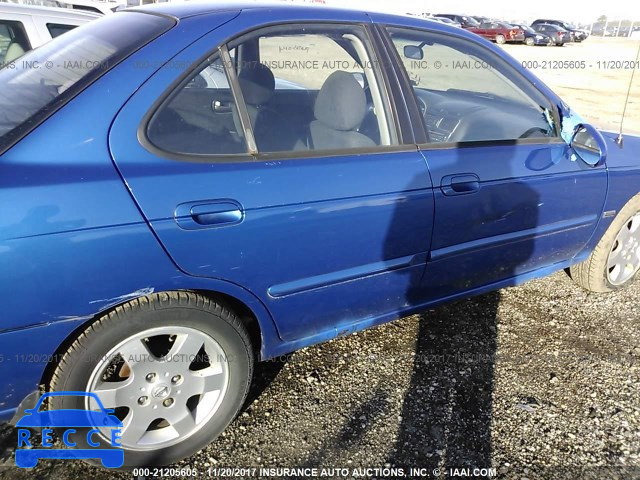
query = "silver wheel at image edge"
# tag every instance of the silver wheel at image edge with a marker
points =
(624, 258)
(615, 260)
(166, 400)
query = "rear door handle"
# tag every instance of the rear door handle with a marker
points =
(195, 215)
(460, 184)
(216, 214)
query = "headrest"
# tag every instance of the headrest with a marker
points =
(257, 83)
(341, 103)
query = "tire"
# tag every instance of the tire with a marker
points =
(529, 41)
(500, 40)
(596, 273)
(197, 395)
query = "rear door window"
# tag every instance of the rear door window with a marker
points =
(313, 88)
(303, 88)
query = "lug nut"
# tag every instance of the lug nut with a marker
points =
(151, 377)
(168, 402)
(142, 400)
(176, 379)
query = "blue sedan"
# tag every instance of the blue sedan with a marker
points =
(187, 189)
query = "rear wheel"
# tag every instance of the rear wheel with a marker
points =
(175, 367)
(500, 39)
(529, 41)
(615, 261)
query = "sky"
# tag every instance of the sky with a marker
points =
(585, 11)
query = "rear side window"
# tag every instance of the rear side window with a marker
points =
(28, 94)
(200, 117)
(57, 29)
(303, 88)
(13, 41)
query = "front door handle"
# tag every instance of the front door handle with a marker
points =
(195, 215)
(460, 184)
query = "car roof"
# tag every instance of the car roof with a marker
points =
(38, 10)
(182, 10)
(188, 9)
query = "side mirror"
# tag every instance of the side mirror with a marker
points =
(588, 144)
(413, 52)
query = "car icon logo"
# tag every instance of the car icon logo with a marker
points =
(72, 425)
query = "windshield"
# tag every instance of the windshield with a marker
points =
(36, 84)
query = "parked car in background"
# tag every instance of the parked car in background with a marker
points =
(465, 21)
(500, 32)
(160, 234)
(531, 37)
(577, 34)
(584, 34)
(24, 27)
(446, 21)
(481, 19)
(560, 35)
(104, 7)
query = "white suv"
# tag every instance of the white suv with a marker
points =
(24, 27)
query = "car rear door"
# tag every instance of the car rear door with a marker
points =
(486, 30)
(510, 196)
(323, 237)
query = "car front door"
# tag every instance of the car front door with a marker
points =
(321, 208)
(511, 198)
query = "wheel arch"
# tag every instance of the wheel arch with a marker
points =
(260, 325)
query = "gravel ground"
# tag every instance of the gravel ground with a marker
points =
(540, 381)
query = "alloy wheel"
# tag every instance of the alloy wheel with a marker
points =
(624, 259)
(164, 384)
